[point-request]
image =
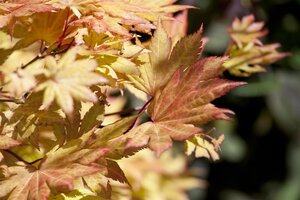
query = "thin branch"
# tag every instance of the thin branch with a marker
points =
(141, 110)
(123, 112)
(17, 101)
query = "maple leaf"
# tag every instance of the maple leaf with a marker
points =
(47, 27)
(28, 183)
(69, 78)
(7, 142)
(177, 28)
(182, 104)
(249, 59)
(158, 178)
(204, 146)
(246, 31)
(248, 53)
(56, 173)
(163, 61)
(118, 17)
(18, 81)
(14, 9)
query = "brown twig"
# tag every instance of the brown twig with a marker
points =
(141, 110)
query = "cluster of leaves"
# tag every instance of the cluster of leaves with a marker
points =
(247, 52)
(58, 62)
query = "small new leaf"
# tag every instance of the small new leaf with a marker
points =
(247, 53)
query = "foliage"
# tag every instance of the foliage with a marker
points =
(59, 62)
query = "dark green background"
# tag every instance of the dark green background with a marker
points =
(260, 157)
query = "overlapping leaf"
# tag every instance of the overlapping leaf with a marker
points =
(157, 68)
(55, 174)
(12, 9)
(157, 178)
(118, 17)
(60, 167)
(249, 59)
(18, 81)
(69, 79)
(182, 104)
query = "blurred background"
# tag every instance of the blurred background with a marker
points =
(260, 158)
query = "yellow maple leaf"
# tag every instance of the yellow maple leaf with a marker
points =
(68, 79)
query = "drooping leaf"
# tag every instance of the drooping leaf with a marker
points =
(182, 104)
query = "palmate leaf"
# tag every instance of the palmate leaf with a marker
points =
(163, 61)
(58, 170)
(47, 26)
(246, 31)
(29, 183)
(183, 103)
(157, 178)
(12, 9)
(18, 81)
(69, 79)
(56, 174)
(249, 59)
(118, 16)
(247, 53)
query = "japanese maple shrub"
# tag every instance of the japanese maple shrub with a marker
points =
(59, 62)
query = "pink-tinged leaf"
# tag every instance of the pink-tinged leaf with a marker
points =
(7, 142)
(21, 8)
(247, 31)
(247, 53)
(183, 104)
(177, 28)
(27, 182)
